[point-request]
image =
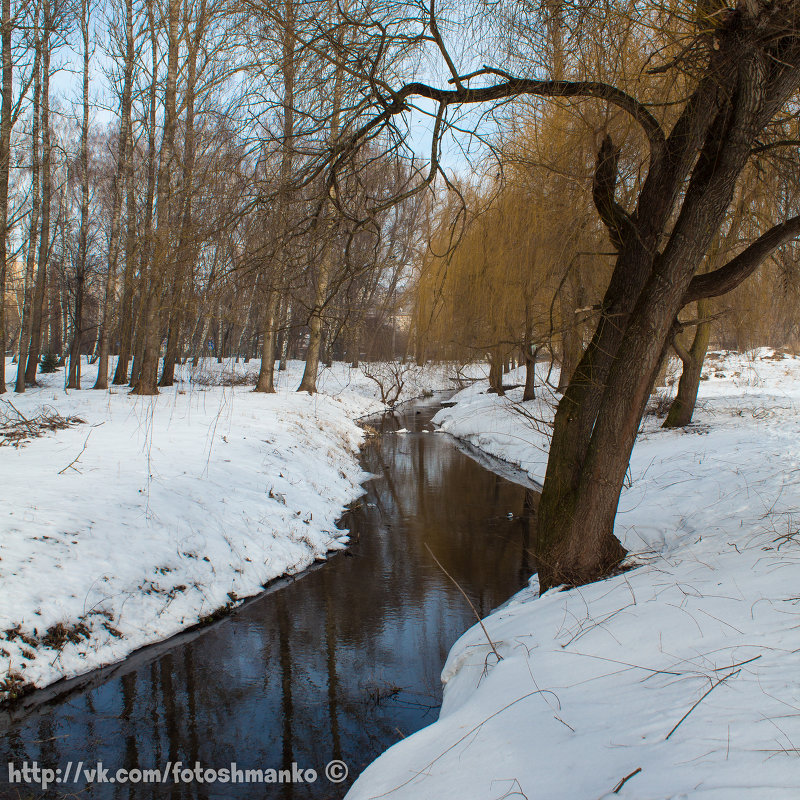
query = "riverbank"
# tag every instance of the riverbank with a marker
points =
(127, 519)
(675, 679)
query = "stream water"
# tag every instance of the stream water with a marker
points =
(338, 664)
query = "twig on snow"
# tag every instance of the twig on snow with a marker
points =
(74, 461)
(700, 700)
(471, 605)
(625, 780)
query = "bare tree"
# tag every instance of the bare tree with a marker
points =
(81, 265)
(124, 152)
(6, 116)
(26, 327)
(146, 380)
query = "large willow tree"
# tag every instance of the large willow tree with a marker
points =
(739, 66)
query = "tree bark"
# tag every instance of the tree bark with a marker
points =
(26, 325)
(266, 380)
(74, 380)
(5, 167)
(285, 336)
(531, 353)
(151, 320)
(187, 247)
(145, 262)
(46, 183)
(311, 370)
(123, 152)
(496, 362)
(682, 408)
(598, 417)
(323, 276)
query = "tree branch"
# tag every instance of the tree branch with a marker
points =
(437, 37)
(613, 215)
(723, 280)
(517, 87)
(679, 349)
(763, 148)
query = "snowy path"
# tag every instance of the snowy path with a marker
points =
(681, 675)
(174, 507)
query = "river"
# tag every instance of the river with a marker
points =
(338, 664)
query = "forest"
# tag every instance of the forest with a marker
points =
(255, 253)
(162, 195)
(186, 181)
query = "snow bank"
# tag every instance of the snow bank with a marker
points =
(156, 512)
(680, 675)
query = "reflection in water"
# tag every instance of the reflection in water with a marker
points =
(338, 665)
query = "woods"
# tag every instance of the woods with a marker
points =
(258, 192)
(185, 221)
(359, 322)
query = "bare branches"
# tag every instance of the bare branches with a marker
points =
(700, 700)
(513, 87)
(613, 215)
(18, 429)
(722, 280)
(437, 37)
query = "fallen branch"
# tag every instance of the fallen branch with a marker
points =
(18, 429)
(700, 700)
(74, 461)
(625, 780)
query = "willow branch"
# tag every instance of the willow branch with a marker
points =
(728, 277)
(517, 87)
(613, 215)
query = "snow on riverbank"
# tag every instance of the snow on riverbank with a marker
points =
(155, 512)
(680, 675)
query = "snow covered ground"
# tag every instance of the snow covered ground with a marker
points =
(153, 513)
(677, 679)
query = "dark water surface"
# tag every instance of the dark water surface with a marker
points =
(339, 664)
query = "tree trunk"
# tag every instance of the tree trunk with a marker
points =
(138, 346)
(126, 323)
(74, 374)
(309, 381)
(598, 417)
(266, 373)
(147, 255)
(496, 363)
(74, 381)
(116, 208)
(187, 247)
(44, 238)
(272, 280)
(5, 167)
(26, 322)
(531, 355)
(682, 408)
(126, 306)
(151, 320)
(571, 342)
(285, 336)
